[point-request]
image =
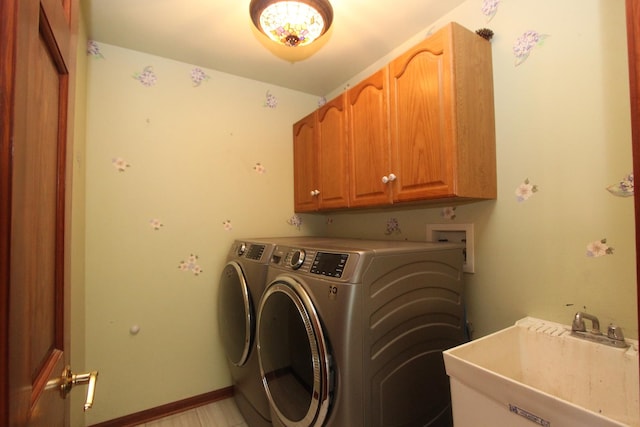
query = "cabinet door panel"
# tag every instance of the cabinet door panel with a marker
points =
(304, 164)
(333, 154)
(369, 141)
(421, 122)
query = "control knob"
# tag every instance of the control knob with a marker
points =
(297, 259)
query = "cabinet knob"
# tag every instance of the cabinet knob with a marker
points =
(387, 179)
(315, 192)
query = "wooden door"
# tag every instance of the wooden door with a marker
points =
(632, 8)
(37, 60)
(422, 130)
(333, 175)
(368, 137)
(305, 172)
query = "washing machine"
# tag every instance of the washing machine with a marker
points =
(351, 332)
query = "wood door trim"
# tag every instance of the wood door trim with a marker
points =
(8, 11)
(633, 46)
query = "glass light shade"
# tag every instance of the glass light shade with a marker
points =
(292, 23)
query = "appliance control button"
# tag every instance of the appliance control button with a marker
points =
(297, 259)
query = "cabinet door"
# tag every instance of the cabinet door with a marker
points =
(333, 154)
(368, 139)
(304, 165)
(422, 128)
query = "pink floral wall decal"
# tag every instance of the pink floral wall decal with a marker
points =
(490, 8)
(147, 77)
(156, 224)
(198, 76)
(524, 44)
(599, 248)
(227, 225)
(321, 101)
(448, 213)
(393, 227)
(271, 101)
(525, 190)
(120, 164)
(259, 168)
(295, 221)
(190, 265)
(624, 188)
(93, 49)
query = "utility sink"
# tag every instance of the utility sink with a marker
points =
(537, 373)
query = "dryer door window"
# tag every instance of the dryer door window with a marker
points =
(293, 354)
(236, 316)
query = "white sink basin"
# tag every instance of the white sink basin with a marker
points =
(535, 372)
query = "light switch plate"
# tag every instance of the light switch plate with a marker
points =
(455, 233)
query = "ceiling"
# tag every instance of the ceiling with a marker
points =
(219, 35)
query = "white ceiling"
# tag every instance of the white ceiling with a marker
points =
(219, 34)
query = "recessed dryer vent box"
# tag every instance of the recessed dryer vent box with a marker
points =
(454, 233)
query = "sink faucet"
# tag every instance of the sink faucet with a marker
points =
(613, 338)
(579, 326)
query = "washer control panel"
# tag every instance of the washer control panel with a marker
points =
(329, 264)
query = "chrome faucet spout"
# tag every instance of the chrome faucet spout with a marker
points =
(579, 326)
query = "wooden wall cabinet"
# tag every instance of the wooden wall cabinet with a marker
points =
(305, 167)
(420, 129)
(442, 131)
(321, 180)
(368, 141)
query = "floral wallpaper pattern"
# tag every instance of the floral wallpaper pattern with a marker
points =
(156, 224)
(191, 265)
(599, 248)
(120, 164)
(147, 77)
(198, 76)
(525, 190)
(295, 221)
(271, 101)
(524, 44)
(392, 226)
(93, 49)
(490, 8)
(259, 168)
(623, 188)
(448, 213)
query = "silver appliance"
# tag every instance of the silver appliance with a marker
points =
(239, 290)
(351, 332)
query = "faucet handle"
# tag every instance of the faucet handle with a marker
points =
(615, 332)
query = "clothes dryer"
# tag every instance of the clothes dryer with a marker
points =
(239, 290)
(351, 332)
(240, 287)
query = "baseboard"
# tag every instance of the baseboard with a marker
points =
(168, 409)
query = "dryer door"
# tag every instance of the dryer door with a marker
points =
(236, 316)
(293, 354)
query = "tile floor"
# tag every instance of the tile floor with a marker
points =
(223, 413)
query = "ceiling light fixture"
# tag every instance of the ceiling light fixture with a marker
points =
(292, 23)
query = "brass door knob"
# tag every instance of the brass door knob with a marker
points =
(69, 379)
